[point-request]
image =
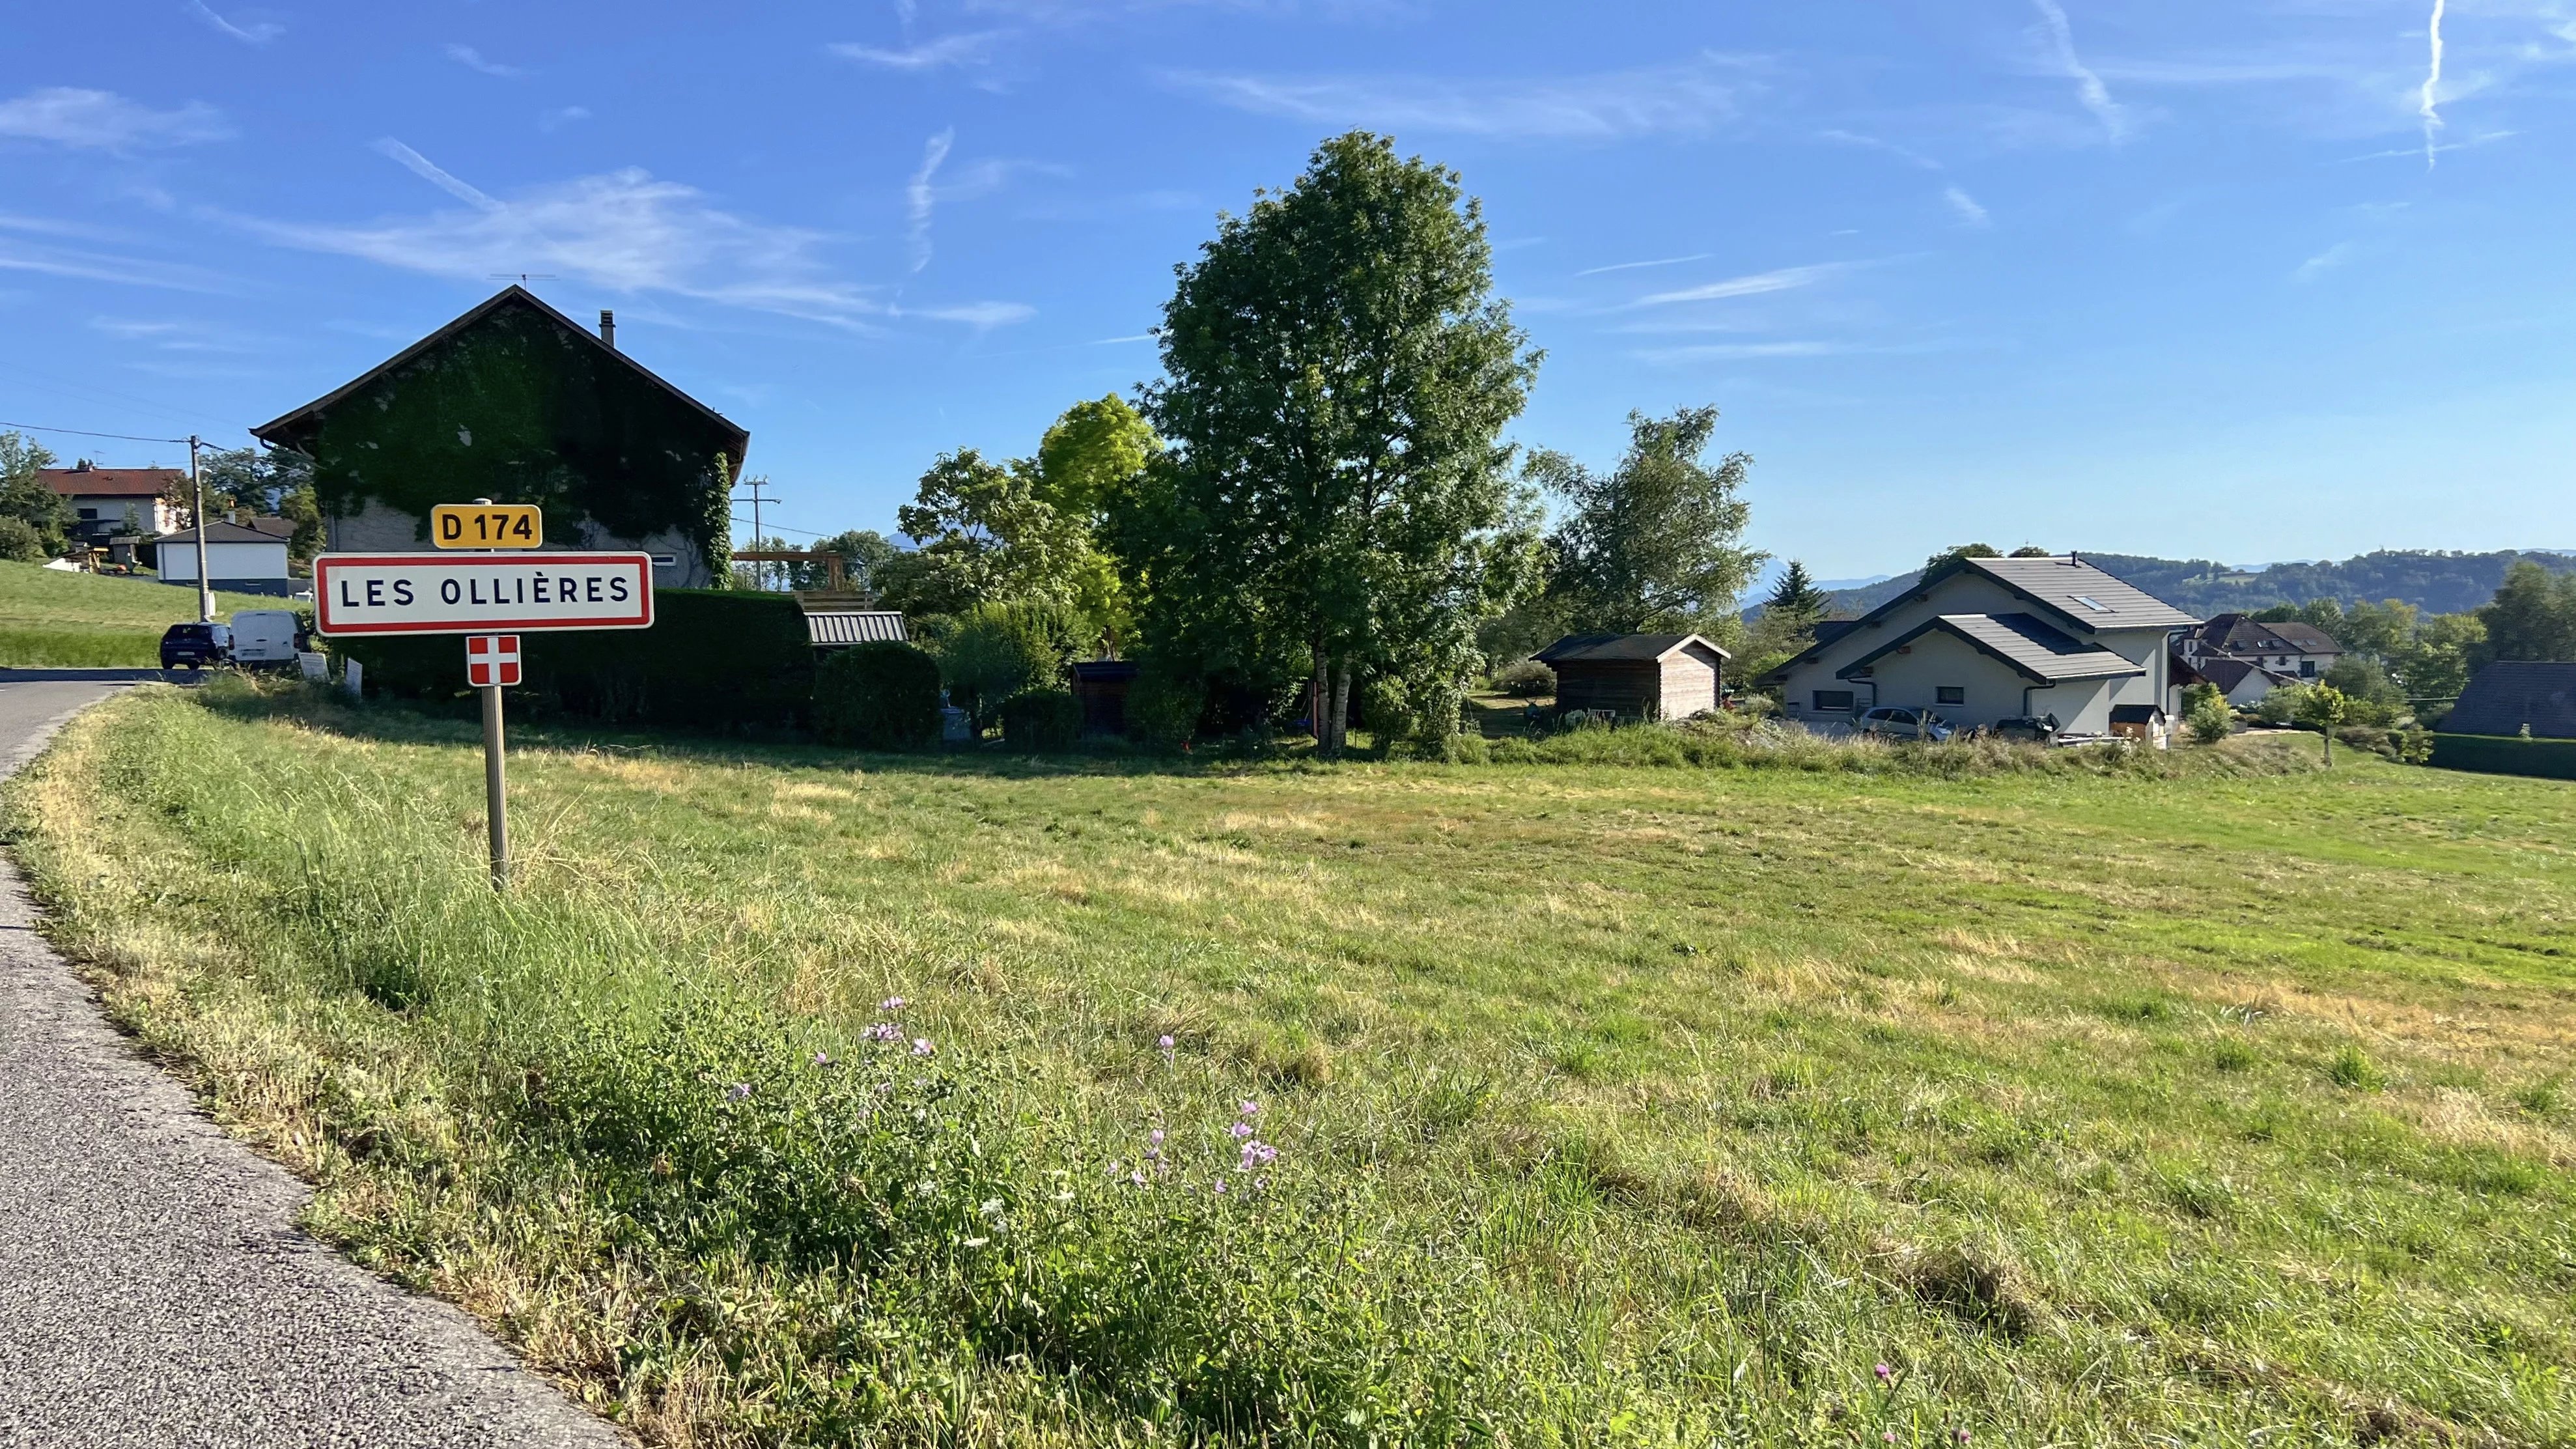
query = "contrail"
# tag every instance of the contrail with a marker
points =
(2432, 83)
(919, 198)
(2088, 86)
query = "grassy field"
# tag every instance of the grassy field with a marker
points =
(799, 1098)
(50, 618)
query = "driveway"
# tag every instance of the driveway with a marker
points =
(154, 1290)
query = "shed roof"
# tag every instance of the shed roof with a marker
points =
(2137, 714)
(219, 531)
(2027, 643)
(2506, 696)
(833, 628)
(112, 482)
(1619, 648)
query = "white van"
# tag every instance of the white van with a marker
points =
(264, 638)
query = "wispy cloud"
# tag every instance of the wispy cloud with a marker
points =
(1739, 351)
(472, 59)
(1115, 341)
(105, 121)
(1906, 154)
(967, 49)
(1694, 96)
(2088, 86)
(627, 232)
(2432, 86)
(2323, 262)
(1965, 207)
(2483, 138)
(561, 116)
(90, 266)
(920, 198)
(1755, 285)
(427, 170)
(1633, 266)
(247, 30)
(176, 336)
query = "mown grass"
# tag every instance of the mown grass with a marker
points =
(2221, 1104)
(88, 620)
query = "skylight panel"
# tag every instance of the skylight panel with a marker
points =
(2096, 605)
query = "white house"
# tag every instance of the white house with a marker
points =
(108, 502)
(1985, 639)
(239, 559)
(2243, 681)
(2248, 658)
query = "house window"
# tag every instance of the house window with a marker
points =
(89, 513)
(1833, 701)
(2307, 669)
(1950, 694)
(666, 560)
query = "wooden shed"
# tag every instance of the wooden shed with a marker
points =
(1100, 687)
(1636, 676)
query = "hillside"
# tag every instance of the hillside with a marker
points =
(49, 618)
(2433, 581)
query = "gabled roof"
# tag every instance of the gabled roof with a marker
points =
(2239, 634)
(286, 431)
(2504, 697)
(2227, 671)
(2056, 586)
(2025, 642)
(112, 482)
(1613, 648)
(219, 531)
(2076, 589)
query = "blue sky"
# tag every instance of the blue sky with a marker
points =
(2247, 279)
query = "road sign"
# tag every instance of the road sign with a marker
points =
(468, 593)
(492, 660)
(487, 525)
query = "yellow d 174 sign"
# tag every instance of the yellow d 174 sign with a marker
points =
(487, 525)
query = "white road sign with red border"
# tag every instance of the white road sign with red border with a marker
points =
(492, 659)
(469, 593)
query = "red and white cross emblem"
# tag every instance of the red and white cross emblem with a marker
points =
(491, 659)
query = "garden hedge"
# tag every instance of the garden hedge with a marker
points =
(714, 659)
(2506, 755)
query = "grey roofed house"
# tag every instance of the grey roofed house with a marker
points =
(2506, 696)
(2242, 680)
(2081, 592)
(2025, 643)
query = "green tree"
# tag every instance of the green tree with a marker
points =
(264, 483)
(1965, 550)
(24, 495)
(999, 650)
(2206, 713)
(1655, 544)
(2435, 664)
(19, 541)
(2321, 708)
(2030, 550)
(2533, 616)
(1089, 463)
(1338, 374)
(1796, 594)
(986, 536)
(863, 551)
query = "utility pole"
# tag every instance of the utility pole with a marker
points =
(205, 589)
(759, 571)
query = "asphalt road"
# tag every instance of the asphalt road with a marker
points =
(154, 1290)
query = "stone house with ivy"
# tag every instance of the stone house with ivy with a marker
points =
(516, 402)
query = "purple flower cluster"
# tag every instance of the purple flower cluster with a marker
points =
(1256, 1153)
(882, 1031)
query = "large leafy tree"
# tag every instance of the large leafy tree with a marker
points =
(2533, 616)
(1657, 543)
(272, 482)
(24, 496)
(1338, 374)
(863, 551)
(987, 535)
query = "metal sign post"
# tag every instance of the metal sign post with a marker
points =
(479, 594)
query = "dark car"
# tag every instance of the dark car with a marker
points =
(2036, 729)
(194, 646)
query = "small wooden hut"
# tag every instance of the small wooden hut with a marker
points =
(1100, 687)
(1636, 676)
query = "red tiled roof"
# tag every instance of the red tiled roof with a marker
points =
(112, 482)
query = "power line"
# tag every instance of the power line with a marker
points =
(78, 433)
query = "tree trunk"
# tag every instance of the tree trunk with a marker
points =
(1317, 692)
(1341, 707)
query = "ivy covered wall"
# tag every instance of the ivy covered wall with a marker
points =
(520, 406)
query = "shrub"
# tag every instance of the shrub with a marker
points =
(999, 650)
(1387, 709)
(1527, 679)
(2282, 706)
(2209, 719)
(878, 696)
(1162, 710)
(20, 542)
(1041, 720)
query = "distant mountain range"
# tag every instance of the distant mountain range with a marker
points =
(2435, 582)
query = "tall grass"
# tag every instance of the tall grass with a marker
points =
(787, 1102)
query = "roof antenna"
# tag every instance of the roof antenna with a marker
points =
(522, 278)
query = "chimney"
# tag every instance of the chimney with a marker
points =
(608, 326)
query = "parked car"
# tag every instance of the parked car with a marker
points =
(194, 646)
(1896, 722)
(2038, 729)
(267, 638)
